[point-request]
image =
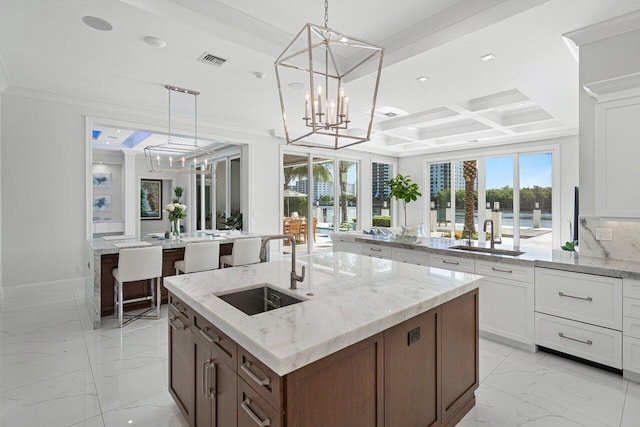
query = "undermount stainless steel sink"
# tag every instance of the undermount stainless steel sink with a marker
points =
(493, 251)
(259, 300)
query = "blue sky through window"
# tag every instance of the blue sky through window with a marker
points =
(535, 169)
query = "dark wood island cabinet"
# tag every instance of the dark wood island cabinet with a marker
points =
(421, 372)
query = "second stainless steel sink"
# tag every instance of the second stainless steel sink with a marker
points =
(494, 251)
(259, 300)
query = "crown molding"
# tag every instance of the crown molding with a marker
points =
(208, 125)
(616, 88)
(603, 30)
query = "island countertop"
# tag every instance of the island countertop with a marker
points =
(347, 298)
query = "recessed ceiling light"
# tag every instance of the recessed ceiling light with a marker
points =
(422, 78)
(117, 130)
(97, 23)
(343, 39)
(155, 42)
(296, 86)
(473, 140)
(259, 75)
(488, 57)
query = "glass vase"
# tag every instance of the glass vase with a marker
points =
(175, 229)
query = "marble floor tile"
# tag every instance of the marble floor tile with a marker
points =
(91, 422)
(127, 380)
(492, 354)
(158, 410)
(60, 401)
(109, 344)
(631, 412)
(495, 408)
(573, 394)
(27, 365)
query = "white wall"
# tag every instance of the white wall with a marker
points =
(1, 291)
(43, 181)
(568, 152)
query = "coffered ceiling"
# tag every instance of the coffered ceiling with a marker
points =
(529, 91)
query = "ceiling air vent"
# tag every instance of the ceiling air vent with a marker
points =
(390, 114)
(209, 58)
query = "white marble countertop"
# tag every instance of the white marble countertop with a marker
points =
(534, 257)
(347, 297)
(102, 246)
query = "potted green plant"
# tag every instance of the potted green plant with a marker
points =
(401, 188)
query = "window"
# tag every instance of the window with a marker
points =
(518, 200)
(380, 200)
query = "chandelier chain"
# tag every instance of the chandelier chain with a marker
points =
(169, 136)
(195, 112)
(326, 12)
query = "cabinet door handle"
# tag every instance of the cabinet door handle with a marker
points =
(178, 307)
(450, 262)
(562, 294)
(501, 270)
(172, 320)
(376, 249)
(262, 423)
(246, 368)
(212, 340)
(207, 389)
(588, 342)
(205, 377)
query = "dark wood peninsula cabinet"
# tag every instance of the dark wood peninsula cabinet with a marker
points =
(421, 372)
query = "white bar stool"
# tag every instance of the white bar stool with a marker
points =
(244, 252)
(199, 257)
(137, 264)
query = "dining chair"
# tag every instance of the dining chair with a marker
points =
(136, 264)
(244, 252)
(199, 257)
(295, 228)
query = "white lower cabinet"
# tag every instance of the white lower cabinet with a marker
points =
(631, 328)
(507, 301)
(466, 265)
(410, 256)
(376, 251)
(580, 314)
(351, 247)
(589, 342)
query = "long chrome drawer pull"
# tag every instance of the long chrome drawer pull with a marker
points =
(501, 270)
(177, 308)
(208, 338)
(450, 262)
(562, 294)
(171, 323)
(245, 367)
(376, 249)
(588, 342)
(245, 405)
(211, 389)
(205, 377)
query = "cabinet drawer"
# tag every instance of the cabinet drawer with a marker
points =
(253, 410)
(631, 288)
(584, 297)
(411, 257)
(262, 379)
(589, 342)
(339, 246)
(466, 265)
(377, 251)
(506, 271)
(631, 354)
(180, 309)
(223, 347)
(631, 327)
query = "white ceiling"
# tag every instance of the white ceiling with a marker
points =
(530, 91)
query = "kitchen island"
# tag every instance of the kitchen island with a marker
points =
(102, 258)
(373, 342)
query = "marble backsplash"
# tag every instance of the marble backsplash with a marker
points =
(625, 243)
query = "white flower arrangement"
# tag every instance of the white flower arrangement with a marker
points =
(176, 211)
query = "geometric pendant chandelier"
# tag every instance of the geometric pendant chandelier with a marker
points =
(315, 74)
(176, 157)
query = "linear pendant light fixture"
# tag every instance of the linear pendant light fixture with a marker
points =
(321, 61)
(174, 157)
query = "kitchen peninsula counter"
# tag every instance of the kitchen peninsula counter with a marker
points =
(102, 254)
(352, 306)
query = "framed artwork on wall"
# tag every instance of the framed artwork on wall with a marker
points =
(102, 180)
(150, 199)
(101, 203)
